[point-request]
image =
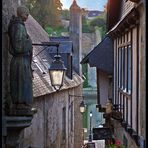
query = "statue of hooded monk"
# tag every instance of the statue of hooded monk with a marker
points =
(20, 66)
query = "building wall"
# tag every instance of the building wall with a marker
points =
(89, 41)
(75, 32)
(46, 128)
(104, 87)
(78, 122)
(133, 101)
(39, 133)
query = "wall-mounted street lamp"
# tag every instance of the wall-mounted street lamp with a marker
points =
(98, 106)
(82, 104)
(82, 107)
(57, 69)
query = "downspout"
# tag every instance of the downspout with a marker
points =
(45, 114)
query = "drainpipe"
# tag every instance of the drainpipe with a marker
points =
(45, 114)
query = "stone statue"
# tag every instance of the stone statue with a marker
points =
(20, 67)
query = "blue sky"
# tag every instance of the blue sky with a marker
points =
(88, 4)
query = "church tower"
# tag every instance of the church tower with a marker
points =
(75, 30)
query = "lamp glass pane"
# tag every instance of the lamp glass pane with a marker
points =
(82, 109)
(90, 114)
(56, 77)
(97, 108)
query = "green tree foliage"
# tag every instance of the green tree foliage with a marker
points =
(56, 31)
(100, 22)
(65, 14)
(86, 28)
(46, 12)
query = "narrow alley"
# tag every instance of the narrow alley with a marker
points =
(74, 74)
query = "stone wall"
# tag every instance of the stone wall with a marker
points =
(88, 41)
(47, 123)
(75, 31)
(46, 128)
(78, 123)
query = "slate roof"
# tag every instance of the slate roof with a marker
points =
(64, 47)
(41, 81)
(61, 38)
(101, 56)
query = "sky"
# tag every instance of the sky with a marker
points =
(88, 4)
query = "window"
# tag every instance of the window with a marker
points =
(120, 68)
(124, 69)
(124, 81)
(129, 69)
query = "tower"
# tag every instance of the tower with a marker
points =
(75, 29)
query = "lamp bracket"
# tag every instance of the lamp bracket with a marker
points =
(47, 44)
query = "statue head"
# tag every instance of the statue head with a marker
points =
(22, 12)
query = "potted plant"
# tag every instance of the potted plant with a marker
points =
(117, 144)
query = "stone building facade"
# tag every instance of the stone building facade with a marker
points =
(75, 32)
(48, 125)
(58, 122)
